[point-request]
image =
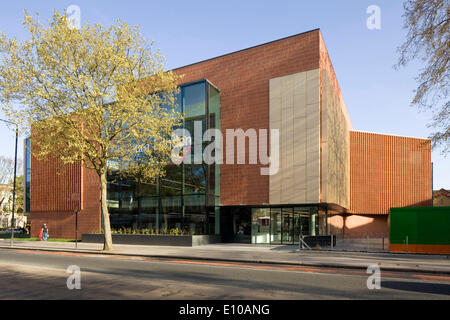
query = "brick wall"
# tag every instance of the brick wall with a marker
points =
(388, 171)
(55, 193)
(243, 78)
(359, 226)
(55, 187)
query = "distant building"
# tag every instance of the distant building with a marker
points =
(5, 220)
(441, 198)
(6, 208)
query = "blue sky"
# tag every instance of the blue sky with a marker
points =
(377, 96)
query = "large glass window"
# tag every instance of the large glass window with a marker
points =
(285, 225)
(194, 100)
(275, 225)
(188, 195)
(171, 184)
(303, 222)
(260, 225)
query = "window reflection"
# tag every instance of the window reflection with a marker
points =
(286, 225)
(187, 197)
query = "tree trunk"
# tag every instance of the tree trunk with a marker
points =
(106, 224)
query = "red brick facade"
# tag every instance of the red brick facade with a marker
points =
(56, 192)
(385, 171)
(388, 171)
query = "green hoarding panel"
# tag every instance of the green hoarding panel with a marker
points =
(402, 225)
(422, 225)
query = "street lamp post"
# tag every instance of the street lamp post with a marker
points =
(14, 183)
(76, 228)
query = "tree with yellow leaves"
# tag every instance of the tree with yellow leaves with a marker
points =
(93, 95)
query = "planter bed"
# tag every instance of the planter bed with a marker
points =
(154, 240)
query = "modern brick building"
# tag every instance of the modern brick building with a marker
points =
(331, 179)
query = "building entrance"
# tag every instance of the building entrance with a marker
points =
(283, 225)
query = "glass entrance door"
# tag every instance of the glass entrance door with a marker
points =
(305, 222)
(260, 225)
(297, 226)
(287, 226)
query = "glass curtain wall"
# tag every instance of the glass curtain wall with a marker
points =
(187, 197)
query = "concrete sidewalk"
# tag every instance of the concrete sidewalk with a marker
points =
(267, 254)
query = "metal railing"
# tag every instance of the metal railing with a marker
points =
(360, 242)
(302, 244)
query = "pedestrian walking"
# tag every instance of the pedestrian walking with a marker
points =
(45, 234)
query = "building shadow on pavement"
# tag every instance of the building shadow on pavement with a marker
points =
(422, 287)
(285, 248)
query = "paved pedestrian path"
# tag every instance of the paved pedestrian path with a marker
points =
(258, 254)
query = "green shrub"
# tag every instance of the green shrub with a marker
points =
(146, 231)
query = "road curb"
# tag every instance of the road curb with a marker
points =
(257, 261)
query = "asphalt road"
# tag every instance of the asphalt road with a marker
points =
(26, 274)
